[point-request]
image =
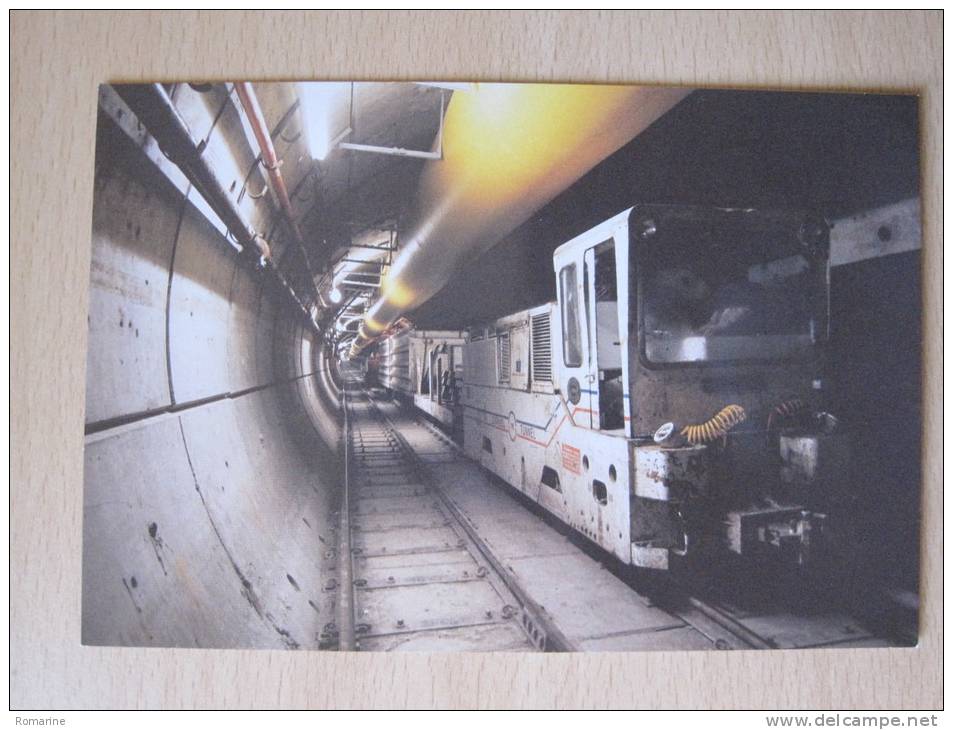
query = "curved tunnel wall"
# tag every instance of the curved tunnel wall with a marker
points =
(210, 462)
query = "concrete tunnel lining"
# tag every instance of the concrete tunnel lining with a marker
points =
(210, 460)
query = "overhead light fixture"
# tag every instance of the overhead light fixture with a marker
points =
(335, 295)
(319, 102)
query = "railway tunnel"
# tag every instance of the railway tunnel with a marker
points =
(252, 244)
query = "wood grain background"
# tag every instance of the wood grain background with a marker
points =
(57, 61)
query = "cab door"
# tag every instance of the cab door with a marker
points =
(605, 377)
(575, 362)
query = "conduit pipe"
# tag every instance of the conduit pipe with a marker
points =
(154, 108)
(508, 149)
(246, 94)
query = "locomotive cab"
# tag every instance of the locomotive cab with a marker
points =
(696, 334)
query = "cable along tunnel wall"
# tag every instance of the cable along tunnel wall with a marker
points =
(210, 462)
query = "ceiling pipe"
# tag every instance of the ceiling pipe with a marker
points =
(508, 149)
(154, 108)
(269, 158)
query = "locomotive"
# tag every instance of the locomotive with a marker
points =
(424, 368)
(669, 404)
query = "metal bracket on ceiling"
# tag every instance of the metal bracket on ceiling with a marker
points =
(363, 284)
(253, 196)
(362, 261)
(384, 246)
(399, 151)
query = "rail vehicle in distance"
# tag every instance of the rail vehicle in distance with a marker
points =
(669, 405)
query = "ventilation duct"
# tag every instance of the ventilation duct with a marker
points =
(508, 149)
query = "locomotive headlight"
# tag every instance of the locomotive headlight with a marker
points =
(667, 435)
(663, 432)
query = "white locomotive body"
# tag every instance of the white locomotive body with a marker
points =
(706, 322)
(522, 429)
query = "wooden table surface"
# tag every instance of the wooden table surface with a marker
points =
(57, 61)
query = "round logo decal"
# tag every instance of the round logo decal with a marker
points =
(574, 392)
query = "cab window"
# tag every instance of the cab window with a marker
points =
(572, 335)
(729, 293)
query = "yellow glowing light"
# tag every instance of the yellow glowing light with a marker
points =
(397, 293)
(505, 141)
(373, 325)
(508, 149)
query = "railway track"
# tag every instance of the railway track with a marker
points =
(418, 578)
(428, 562)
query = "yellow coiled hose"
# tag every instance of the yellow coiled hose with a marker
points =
(715, 427)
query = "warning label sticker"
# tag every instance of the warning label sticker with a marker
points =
(570, 459)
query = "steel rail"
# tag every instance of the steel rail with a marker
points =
(541, 629)
(345, 603)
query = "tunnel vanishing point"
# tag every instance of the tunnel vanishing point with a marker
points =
(258, 250)
(212, 411)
